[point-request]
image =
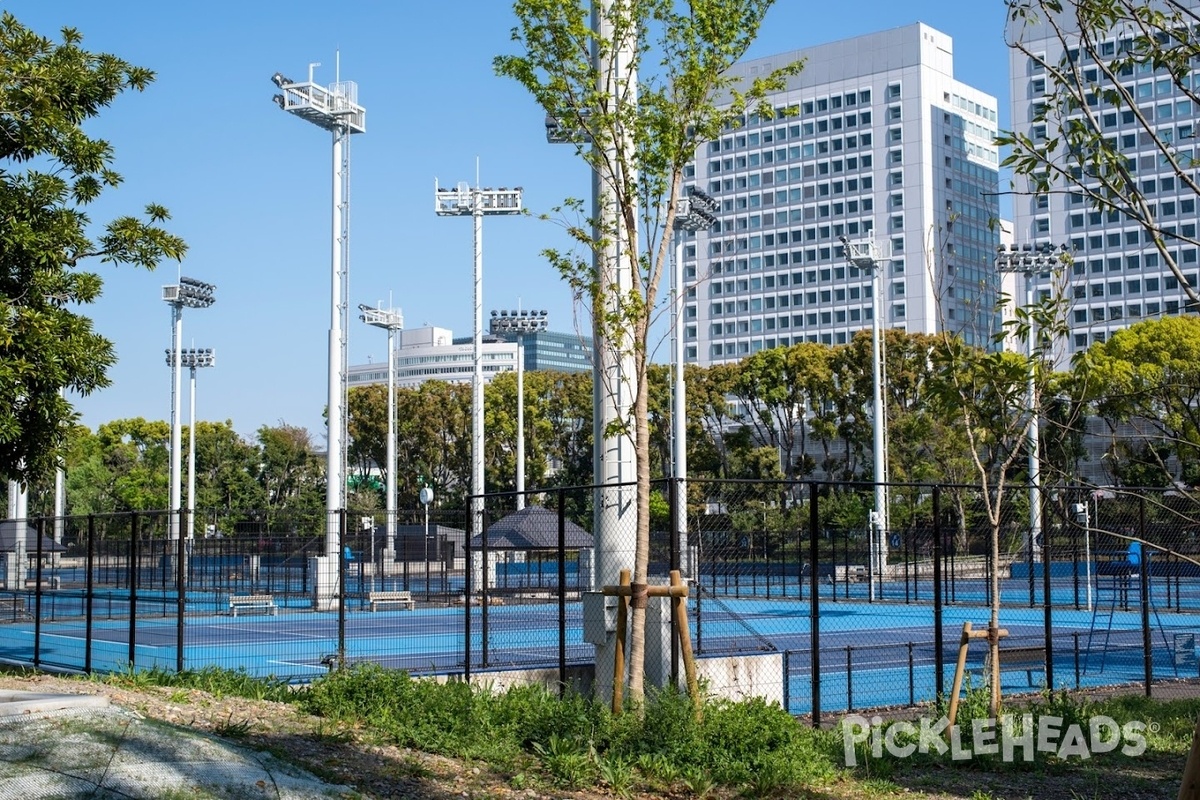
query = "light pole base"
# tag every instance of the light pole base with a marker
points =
(323, 572)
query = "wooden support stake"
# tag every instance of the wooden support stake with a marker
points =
(1190, 788)
(968, 633)
(685, 641)
(618, 694)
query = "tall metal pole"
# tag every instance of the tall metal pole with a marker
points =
(679, 410)
(616, 510)
(391, 445)
(176, 434)
(520, 421)
(477, 371)
(879, 552)
(1033, 438)
(335, 484)
(191, 495)
(60, 498)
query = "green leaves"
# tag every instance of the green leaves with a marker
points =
(48, 91)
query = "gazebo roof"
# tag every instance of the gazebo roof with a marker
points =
(533, 528)
(8, 539)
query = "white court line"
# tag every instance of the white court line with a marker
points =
(105, 641)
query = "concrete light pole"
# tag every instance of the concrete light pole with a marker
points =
(391, 321)
(1030, 260)
(192, 294)
(869, 256)
(193, 359)
(519, 322)
(464, 201)
(697, 211)
(334, 109)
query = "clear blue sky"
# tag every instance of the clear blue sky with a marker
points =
(249, 186)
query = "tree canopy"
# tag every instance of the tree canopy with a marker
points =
(50, 172)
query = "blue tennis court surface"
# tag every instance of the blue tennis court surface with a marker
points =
(871, 653)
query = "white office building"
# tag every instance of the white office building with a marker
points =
(1118, 276)
(430, 353)
(883, 142)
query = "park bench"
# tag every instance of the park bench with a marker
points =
(1025, 658)
(405, 599)
(241, 602)
(12, 607)
(50, 583)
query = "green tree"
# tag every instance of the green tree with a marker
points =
(637, 131)
(291, 478)
(50, 172)
(1147, 377)
(225, 470)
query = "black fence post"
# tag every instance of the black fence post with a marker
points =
(341, 589)
(673, 494)
(814, 603)
(134, 555)
(468, 590)
(484, 586)
(89, 593)
(37, 585)
(1144, 590)
(562, 593)
(181, 559)
(939, 664)
(1047, 599)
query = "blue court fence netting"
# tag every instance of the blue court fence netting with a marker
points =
(785, 579)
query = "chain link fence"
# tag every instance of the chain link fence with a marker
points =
(796, 592)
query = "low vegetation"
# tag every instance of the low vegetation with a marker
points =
(532, 738)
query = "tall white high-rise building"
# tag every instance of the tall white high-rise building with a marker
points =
(1118, 276)
(877, 138)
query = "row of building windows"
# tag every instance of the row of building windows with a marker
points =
(1136, 286)
(803, 151)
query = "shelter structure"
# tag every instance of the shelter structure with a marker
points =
(522, 552)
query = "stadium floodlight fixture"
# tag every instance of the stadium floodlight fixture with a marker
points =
(520, 323)
(696, 211)
(194, 359)
(187, 293)
(333, 108)
(463, 200)
(869, 255)
(390, 320)
(1030, 260)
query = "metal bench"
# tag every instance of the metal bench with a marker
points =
(1027, 659)
(391, 598)
(263, 602)
(13, 607)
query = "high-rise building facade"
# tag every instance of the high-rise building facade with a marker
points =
(1119, 276)
(875, 138)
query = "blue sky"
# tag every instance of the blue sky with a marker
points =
(248, 185)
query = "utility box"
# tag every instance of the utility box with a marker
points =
(599, 617)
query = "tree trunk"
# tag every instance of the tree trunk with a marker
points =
(994, 624)
(641, 559)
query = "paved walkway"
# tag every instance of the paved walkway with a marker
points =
(78, 746)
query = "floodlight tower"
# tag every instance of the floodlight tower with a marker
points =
(697, 212)
(335, 109)
(464, 201)
(520, 323)
(391, 320)
(193, 359)
(189, 293)
(869, 256)
(1029, 260)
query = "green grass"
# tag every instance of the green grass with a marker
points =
(752, 747)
